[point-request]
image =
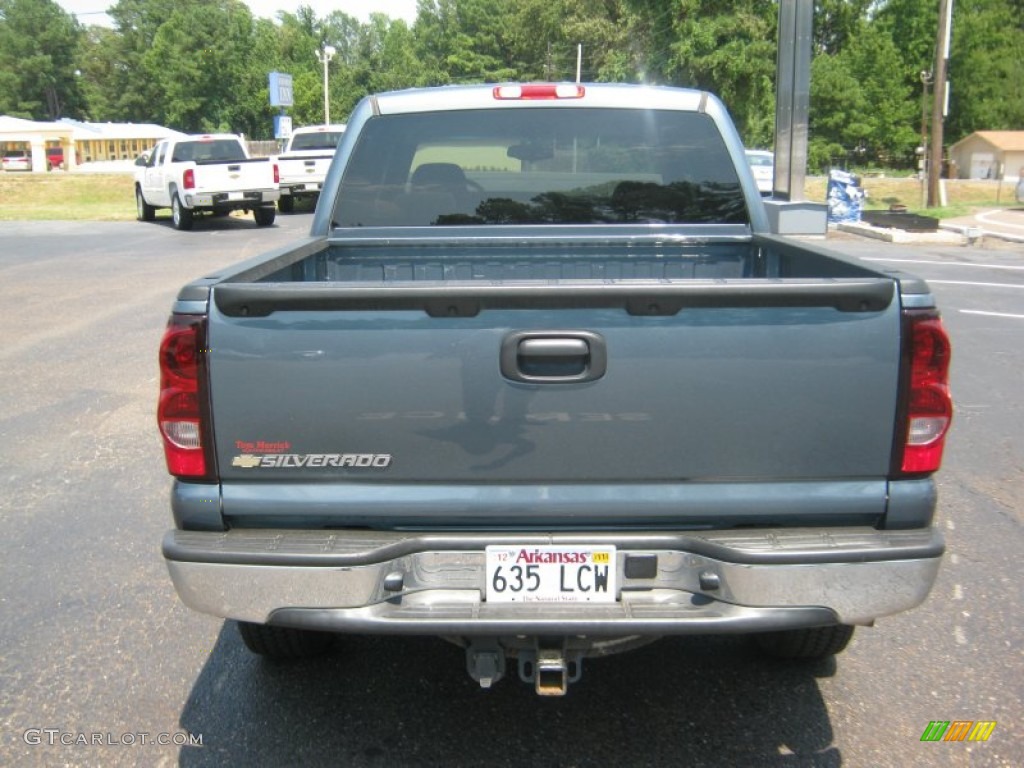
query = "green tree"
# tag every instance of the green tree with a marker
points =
(726, 48)
(986, 67)
(608, 33)
(862, 109)
(132, 93)
(836, 22)
(467, 40)
(911, 24)
(298, 37)
(203, 64)
(98, 53)
(198, 59)
(252, 113)
(38, 49)
(389, 58)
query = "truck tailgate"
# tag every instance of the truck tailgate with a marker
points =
(300, 168)
(255, 173)
(580, 399)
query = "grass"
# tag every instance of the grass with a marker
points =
(66, 196)
(109, 196)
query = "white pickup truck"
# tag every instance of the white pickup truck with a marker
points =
(305, 161)
(211, 173)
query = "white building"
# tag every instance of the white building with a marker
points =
(80, 142)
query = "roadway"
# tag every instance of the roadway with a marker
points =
(98, 649)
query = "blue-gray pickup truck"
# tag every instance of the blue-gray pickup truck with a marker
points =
(543, 383)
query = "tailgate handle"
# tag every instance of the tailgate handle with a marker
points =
(555, 357)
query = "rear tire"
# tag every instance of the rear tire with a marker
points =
(264, 216)
(146, 212)
(284, 643)
(180, 215)
(811, 644)
(286, 204)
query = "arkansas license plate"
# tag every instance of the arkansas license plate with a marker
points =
(550, 574)
(235, 196)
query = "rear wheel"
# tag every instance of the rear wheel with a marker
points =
(810, 644)
(264, 216)
(146, 212)
(180, 215)
(284, 643)
(286, 204)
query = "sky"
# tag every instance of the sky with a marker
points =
(93, 11)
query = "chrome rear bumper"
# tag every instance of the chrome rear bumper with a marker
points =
(433, 583)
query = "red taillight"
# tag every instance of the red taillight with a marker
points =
(180, 411)
(190, 179)
(277, 174)
(539, 91)
(929, 407)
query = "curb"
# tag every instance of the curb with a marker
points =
(973, 233)
(900, 236)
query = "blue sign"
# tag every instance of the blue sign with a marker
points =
(281, 90)
(282, 126)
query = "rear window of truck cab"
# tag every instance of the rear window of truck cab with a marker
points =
(208, 151)
(539, 166)
(321, 140)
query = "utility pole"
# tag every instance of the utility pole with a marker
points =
(941, 96)
(926, 80)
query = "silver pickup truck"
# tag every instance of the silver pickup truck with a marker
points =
(542, 383)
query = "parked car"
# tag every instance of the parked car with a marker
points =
(17, 160)
(54, 158)
(762, 163)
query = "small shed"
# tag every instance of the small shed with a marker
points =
(989, 155)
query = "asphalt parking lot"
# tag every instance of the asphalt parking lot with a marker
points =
(102, 665)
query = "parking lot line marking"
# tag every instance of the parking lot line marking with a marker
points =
(977, 285)
(941, 263)
(990, 314)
